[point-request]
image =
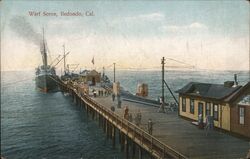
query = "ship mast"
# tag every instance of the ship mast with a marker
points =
(45, 63)
(64, 59)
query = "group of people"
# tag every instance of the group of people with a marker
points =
(137, 119)
(129, 116)
(101, 92)
(209, 124)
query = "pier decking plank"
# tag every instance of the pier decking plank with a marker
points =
(181, 134)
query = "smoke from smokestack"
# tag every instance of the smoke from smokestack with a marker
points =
(24, 29)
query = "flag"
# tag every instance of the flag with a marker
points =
(93, 61)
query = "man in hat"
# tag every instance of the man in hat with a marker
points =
(150, 126)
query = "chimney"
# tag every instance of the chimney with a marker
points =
(235, 80)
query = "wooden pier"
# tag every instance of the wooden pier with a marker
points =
(129, 133)
(172, 138)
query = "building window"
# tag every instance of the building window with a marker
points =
(192, 106)
(242, 115)
(208, 109)
(184, 104)
(215, 112)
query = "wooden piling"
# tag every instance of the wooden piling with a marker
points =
(99, 120)
(113, 136)
(126, 145)
(93, 114)
(133, 146)
(104, 125)
(122, 141)
(119, 136)
(140, 152)
(107, 129)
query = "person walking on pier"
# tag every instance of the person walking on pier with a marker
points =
(138, 118)
(209, 123)
(200, 121)
(130, 117)
(94, 92)
(119, 104)
(126, 115)
(150, 126)
(118, 97)
(112, 108)
(113, 97)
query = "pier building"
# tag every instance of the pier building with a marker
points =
(91, 77)
(240, 111)
(226, 103)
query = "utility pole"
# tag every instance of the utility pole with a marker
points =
(103, 75)
(161, 109)
(64, 60)
(114, 72)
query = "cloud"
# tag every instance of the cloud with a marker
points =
(207, 53)
(147, 17)
(197, 25)
(192, 26)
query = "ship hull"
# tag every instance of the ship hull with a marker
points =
(46, 83)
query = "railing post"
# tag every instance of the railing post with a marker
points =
(122, 123)
(163, 153)
(141, 137)
(127, 127)
(134, 132)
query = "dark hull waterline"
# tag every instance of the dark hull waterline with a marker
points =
(46, 83)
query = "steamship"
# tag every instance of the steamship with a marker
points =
(45, 74)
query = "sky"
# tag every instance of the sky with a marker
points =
(212, 35)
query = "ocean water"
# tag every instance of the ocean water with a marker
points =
(175, 79)
(38, 125)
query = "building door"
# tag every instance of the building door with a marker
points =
(93, 81)
(200, 111)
